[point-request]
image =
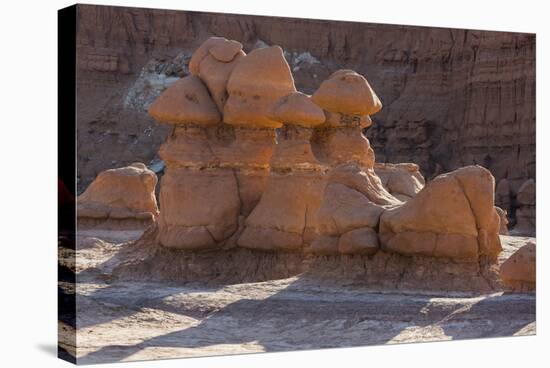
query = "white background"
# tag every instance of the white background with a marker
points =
(28, 184)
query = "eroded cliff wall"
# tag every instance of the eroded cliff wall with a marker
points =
(451, 97)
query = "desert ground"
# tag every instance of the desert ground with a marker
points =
(127, 320)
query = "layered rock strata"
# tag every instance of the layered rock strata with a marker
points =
(458, 96)
(526, 212)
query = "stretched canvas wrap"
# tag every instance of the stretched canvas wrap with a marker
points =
(235, 184)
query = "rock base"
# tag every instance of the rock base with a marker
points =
(89, 223)
(145, 260)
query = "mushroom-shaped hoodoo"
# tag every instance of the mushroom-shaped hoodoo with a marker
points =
(299, 115)
(283, 218)
(347, 92)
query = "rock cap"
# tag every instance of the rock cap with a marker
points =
(220, 48)
(347, 92)
(257, 81)
(296, 108)
(185, 102)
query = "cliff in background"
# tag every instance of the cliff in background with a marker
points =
(451, 97)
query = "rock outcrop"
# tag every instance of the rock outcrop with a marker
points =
(347, 92)
(213, 62)
(277, 170)
(503, 195)
(354, 197)
(519, 271)
(220, 170)
(526, 212)
(503, 221)
(256, 83)
(403, 180)
(186, 102)
(453, 216)
(200, 202)
(119, 198)
(285, 217)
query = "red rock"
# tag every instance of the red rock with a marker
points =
(297, 109)
(519, 271)
(200, 209)
(213, 62)
(403, 180)
(453, 216)
(256, 83)
(347, 92)
(185, 102)
(359, 241)
(123, 193)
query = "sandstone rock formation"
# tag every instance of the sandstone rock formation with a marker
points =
(403, 181)
(354, 197)
(503, 221)
(220, 171)
(186, 102)
(526, 212)
(519, 271)
(200, 205)
(119, 198)
(213, 62)
(258, 81)
(284, 219)
(312, 186)
(347, 92)
(453, 216)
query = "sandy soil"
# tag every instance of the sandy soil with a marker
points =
(128, 320)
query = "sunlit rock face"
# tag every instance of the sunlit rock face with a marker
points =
(251, 162)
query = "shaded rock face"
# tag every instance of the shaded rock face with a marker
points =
(123, 197)
(526, 212)
(452, 97)
(503, 221)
